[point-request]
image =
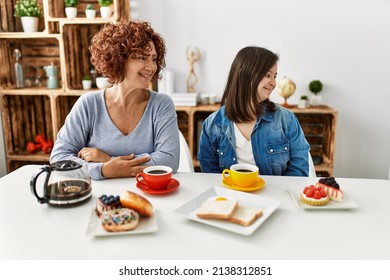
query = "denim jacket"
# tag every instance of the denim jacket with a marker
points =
(278, 143)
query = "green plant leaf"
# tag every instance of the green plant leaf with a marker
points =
(315, 86)
(105, 3)
(71, 3)
(27, 8)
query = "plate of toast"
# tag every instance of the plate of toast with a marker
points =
(227, 209)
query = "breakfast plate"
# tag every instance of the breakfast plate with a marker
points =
(268, 206)
(145, 225)
(172, 186)
(348, 203)
(227, 182)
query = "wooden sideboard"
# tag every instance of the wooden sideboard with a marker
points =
(318, 123)
(189, 121)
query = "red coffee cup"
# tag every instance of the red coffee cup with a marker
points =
(156, 177)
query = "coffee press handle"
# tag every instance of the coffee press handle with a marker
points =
(33, 183)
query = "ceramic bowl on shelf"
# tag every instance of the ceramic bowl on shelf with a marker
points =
(102, 82)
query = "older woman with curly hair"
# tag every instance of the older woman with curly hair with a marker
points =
(121, 130)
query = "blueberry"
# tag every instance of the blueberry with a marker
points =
(335, 185)
(103, 197)
(322, 180)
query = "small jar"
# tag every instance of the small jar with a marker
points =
(212, 99)
(204, 99)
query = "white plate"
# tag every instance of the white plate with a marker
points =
(268, 206)
(145, 225)
(347, 203)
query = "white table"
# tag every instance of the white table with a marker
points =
(30, 230)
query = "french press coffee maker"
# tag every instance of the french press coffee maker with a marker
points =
(67, 183)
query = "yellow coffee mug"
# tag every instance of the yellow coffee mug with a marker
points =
(242, 174)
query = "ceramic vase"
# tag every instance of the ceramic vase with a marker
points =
(105, 12)
(315, 100)
(90, 14)
(30, 24)
(303, 103)
(71, 12)
(87, 84)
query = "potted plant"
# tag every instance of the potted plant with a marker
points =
(303, 102)
(29, 12)
(315, 87)
(105, 8)
(87, 82)
(90, 12)
(70, 8)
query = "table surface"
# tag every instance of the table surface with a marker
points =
(30, 230)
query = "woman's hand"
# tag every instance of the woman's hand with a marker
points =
(124, 166)
(93, 155)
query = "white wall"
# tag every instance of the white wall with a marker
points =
(344, 43)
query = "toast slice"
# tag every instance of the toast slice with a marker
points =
(245, 215)
(216, 209)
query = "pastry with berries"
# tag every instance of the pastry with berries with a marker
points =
(106, 203)
(314, 195)
(332, 188)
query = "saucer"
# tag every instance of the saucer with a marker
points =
(256, 186)
(172, 186)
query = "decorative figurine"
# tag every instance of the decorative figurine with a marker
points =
(18, 69)
(193, 55)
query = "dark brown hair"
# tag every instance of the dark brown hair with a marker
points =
(115, 43)
(248, 68)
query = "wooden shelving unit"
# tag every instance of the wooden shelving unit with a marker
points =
(188, 118)
(318, 123)
(60, 41)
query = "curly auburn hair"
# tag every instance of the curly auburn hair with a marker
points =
(115, 43)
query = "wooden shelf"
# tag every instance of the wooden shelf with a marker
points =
(25, 35)
(38, 157)
(320, 109)
(79, 20)
(31, 90)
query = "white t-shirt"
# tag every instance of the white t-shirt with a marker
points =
(243, 148)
